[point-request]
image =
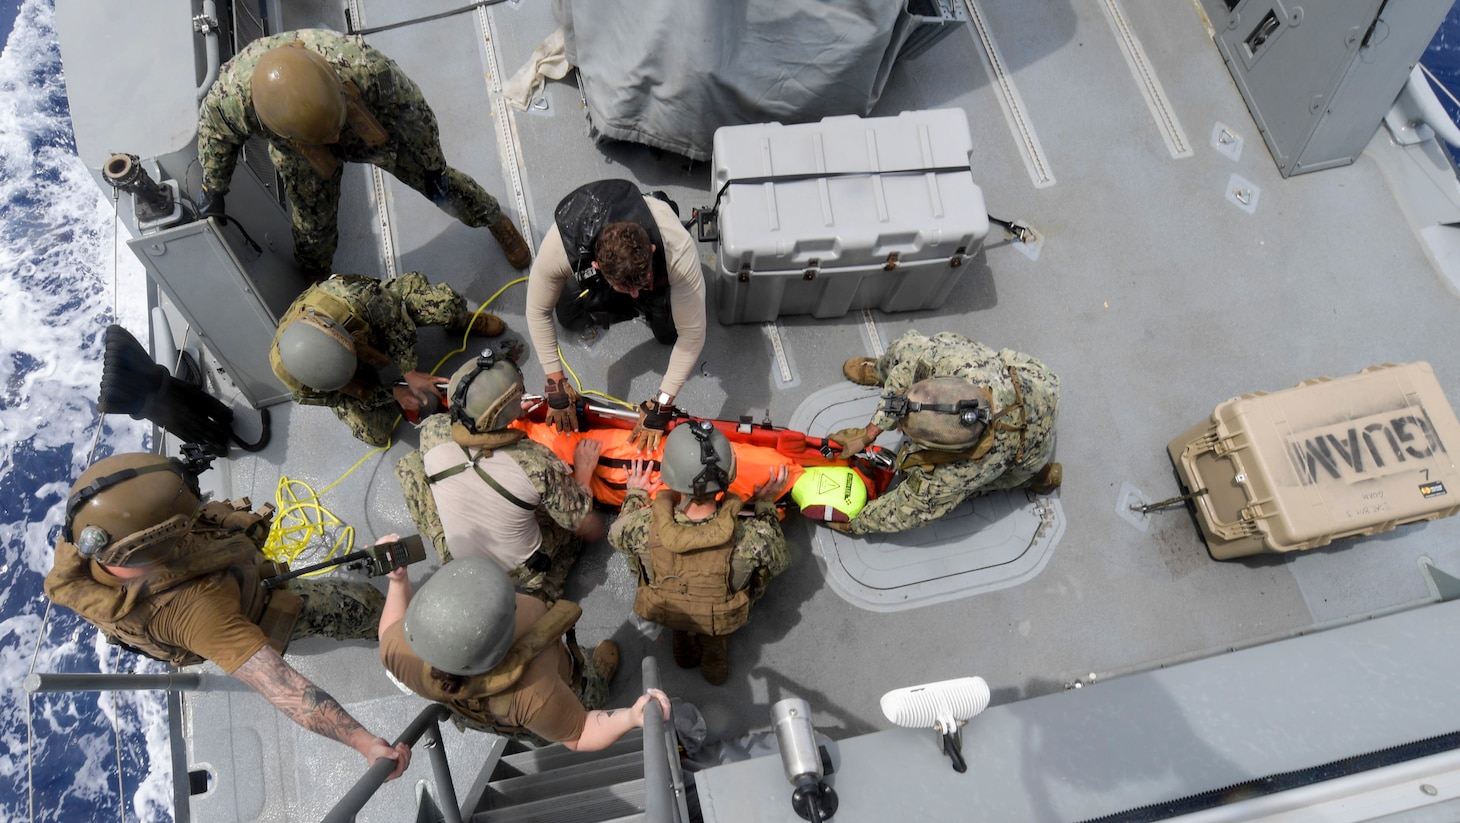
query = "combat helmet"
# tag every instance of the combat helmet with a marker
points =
(317, 351)
(943, 413)
(486, 394)
(298, 95)
(697, 459)
(130, 509)
(462, 620)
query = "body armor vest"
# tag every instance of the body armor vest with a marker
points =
(581, 216)
(488, 696)
(690, 566)
(223, 540)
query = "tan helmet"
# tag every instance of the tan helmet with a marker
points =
(130, 509)
(697, 459)
(298, 95)
(943, 413)
(486, 393)
(462, 620)
(317, 351)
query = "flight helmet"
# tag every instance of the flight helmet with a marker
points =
(130, 509)
(486, 393)
(943, 413)
(697, 459)
(298, 95)
(462, 619)
(317, 351)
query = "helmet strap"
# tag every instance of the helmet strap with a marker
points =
(712, 472)
(80, 497)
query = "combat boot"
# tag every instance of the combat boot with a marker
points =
(715, 664)
(605, 659)
(862, 371)
(485, 324)
(513, 246)
(686, 647)
(1048, 479)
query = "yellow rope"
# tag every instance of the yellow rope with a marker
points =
(593, 392)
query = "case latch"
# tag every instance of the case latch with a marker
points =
(814, 268)
(891, 262)
(744, 275)
(957, 259)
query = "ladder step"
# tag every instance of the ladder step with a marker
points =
(553, 757)
(620, 801)
(579, 777)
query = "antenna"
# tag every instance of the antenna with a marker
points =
(944, 706)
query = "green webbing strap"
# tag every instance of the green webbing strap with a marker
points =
(455, 470)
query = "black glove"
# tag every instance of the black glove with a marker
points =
(437, 186)
(653, 422)
(210, 204)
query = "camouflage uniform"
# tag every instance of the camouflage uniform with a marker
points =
(929, 492)
(393, 308)
(411, 152)
(341, 609)
(562, 505)
(760, 550)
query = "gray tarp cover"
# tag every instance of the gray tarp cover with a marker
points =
(667, 73)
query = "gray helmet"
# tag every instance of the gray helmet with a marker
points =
(462, 620)
(943, 413)
(298, 95)
(486, 394)
(317, 351)
(697, 459)
(130, 509)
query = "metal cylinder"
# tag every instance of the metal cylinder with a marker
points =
(796, 737)
(183, 681)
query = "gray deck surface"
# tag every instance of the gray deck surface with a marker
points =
(1152, 296)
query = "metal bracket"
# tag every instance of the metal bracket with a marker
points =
(205, 24)
(1168, 502)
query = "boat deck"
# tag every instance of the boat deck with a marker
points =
(1151, 293)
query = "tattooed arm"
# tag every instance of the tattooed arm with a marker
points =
(603, 727)
(314, 709)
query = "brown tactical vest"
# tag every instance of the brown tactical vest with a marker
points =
(224, 540)
(488, 696)
(690, 568)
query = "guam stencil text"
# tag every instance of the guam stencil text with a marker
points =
(1364, 448)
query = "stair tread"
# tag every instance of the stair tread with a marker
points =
(601, 772)
(557, 756)
(619, 801)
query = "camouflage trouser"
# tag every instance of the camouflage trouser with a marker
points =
(411, 154)
(426, 305)
(341, 609)
(590, 689)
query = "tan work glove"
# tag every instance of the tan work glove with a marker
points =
(852, 441)
(653, 423)
(562, 402)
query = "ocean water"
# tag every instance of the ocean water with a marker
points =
(61, 269)
(57, 270)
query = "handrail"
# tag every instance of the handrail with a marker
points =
(426, 723)
(111, 682)
(659, 789)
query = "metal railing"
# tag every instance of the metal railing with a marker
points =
(426, 723)
(663, 781)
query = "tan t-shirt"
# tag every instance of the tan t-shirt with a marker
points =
(204, 618)
(551, 272)
(542, 700)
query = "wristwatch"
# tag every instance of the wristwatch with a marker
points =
(664, 399)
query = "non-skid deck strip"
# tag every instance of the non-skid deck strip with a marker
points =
(1146, 80)
(1010, 101)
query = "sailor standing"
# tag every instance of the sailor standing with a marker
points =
(323, 99)
(976, 420)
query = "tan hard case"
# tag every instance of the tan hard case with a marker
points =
(1329, 458)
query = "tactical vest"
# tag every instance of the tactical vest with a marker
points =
(487, 696)
(581, 216)
(339, 310)
(225, 539)
(690, 566)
